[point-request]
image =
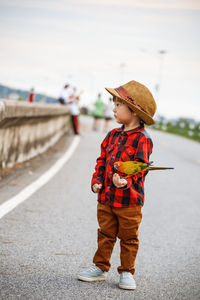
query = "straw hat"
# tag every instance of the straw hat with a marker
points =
(138, 98)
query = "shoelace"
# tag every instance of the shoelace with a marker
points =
(125, 275)
(93, 268)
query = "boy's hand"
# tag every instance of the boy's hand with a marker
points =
(96, 187)
(119, 182)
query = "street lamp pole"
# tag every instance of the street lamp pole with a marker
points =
(122, 66)
(160, 71)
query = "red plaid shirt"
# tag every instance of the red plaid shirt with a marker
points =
(122, 145)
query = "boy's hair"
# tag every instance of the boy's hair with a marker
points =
(121, 101)
(117, 99)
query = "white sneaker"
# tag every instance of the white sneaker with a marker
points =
(127, 281)
(92, 274)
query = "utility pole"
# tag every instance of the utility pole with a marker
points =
(160, 71)
(122, 66)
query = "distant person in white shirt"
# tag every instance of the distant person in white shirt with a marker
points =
(68, 96)
(108, 114)
(65, 94)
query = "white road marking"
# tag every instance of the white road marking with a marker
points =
(10, 204)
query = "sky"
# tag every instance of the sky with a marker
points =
(94, 44)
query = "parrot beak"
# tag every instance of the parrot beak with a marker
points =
(115, 167)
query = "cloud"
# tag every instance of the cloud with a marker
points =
(154, 4)
(148, 4)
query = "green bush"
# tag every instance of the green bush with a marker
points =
(183, 127)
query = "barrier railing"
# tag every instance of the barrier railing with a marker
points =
(29, 129)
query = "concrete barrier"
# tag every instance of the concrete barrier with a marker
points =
(29, 129)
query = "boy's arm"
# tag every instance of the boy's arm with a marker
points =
(144, 150)
(98, 176)
(142, 154)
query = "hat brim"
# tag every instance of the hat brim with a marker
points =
(141, 114)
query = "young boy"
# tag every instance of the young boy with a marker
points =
(120, 200)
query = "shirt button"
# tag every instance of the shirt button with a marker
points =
(110, 172)
(118, 143)
(108, 187)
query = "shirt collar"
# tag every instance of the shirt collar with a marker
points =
(137, 129)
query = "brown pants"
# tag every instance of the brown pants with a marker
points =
(122, 223)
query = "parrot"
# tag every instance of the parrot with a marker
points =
(131, 168)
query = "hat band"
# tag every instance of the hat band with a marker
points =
(124, 94)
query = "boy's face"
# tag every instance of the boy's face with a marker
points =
(122, 113)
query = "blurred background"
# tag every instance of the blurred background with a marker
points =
(96, 43)
(91, 44)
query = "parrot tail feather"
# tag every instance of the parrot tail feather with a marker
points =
(159, 168)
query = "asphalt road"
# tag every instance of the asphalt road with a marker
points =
(47, 240)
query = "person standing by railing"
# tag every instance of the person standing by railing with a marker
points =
(68, 96)
(31, 96)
